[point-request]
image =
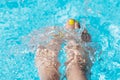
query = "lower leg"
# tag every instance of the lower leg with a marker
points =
(75, 63)
(48, 73)
(46, 61)
(74, 72)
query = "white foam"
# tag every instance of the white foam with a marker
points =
(104, 41)
(115, 31)
(102, 77)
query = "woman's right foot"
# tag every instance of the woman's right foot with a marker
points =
(72, 24)
(75, 65)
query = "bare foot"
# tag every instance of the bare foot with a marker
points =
(72, 24)
(47, 64)
(75, 62)
(46, 60)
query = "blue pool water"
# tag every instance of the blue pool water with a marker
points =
(19, 18)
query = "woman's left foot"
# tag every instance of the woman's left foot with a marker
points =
(47, 64)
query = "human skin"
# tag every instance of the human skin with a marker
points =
(75, 64)
(76, 73)
(46, 61)
(72, 24)
(50, 72)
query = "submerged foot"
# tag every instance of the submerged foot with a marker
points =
(72, 24)
(47, 64)
(75, 62)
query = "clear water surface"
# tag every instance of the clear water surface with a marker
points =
(19, 18)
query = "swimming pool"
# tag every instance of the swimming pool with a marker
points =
(18, 18)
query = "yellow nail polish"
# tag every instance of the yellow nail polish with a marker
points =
(71, 21)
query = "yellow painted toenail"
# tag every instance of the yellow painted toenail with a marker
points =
(71, 21)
